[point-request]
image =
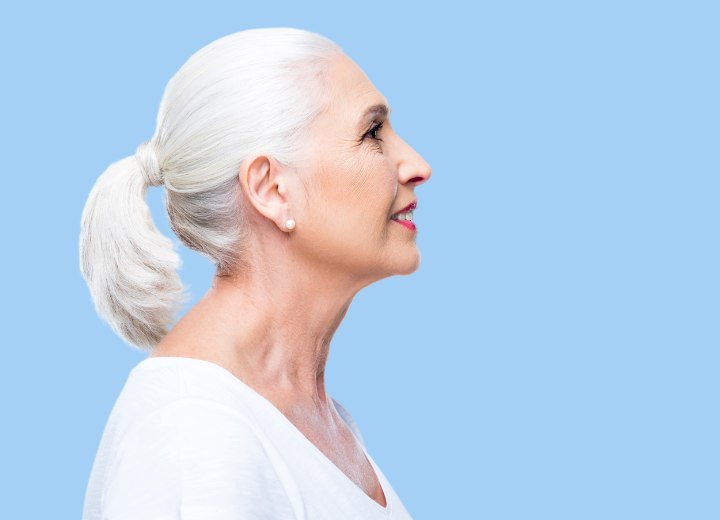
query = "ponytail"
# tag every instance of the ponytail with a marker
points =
(129, 266)
(255, 90)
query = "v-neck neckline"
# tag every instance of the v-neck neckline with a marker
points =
(387, 510)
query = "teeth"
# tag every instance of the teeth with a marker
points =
(403, 216)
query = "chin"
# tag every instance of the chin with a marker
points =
(401, 260)
(409, 266)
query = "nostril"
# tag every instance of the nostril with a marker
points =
(416, 179)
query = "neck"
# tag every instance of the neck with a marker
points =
(271, 330)
(281, 332)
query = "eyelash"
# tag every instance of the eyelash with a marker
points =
(375, 128)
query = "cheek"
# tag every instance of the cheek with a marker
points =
(372, 191)
(351, 198)
(362, 179)
(371, 181)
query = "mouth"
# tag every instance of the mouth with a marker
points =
(404, 217)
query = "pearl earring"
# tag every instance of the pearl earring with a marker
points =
(290, 223)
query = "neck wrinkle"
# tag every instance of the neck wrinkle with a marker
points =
(277, 332)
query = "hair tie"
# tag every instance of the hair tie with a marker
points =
(149, 165)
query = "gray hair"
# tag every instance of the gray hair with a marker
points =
(250, 92)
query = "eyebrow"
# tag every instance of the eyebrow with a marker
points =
(372, 112)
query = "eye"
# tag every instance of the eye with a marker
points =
(372, 133)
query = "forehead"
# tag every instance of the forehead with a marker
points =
(354, 99)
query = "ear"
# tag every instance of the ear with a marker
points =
(262, 180)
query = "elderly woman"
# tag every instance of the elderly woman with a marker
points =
(280, 164)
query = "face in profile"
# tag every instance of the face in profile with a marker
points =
(358, 173)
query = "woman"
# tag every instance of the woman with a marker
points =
(281, 166)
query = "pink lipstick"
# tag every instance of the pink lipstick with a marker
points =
(408, 224)
(409, 207)
(404, 216)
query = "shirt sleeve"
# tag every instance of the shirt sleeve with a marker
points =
(194, 459)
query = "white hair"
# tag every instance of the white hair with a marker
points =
(250, 92)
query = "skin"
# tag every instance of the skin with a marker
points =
(271, 324)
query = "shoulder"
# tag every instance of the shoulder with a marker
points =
(181, 441)
(185, 410)
(187, 432)
(157, 383)
(191, 454)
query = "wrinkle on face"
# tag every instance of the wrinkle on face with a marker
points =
(353, 180)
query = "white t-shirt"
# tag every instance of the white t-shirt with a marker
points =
(187, 440)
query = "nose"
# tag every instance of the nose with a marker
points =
(412, 168)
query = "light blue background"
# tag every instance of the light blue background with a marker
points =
(555, 356)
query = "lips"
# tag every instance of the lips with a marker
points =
(406, 223)
(404, 216)
(409, 207)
